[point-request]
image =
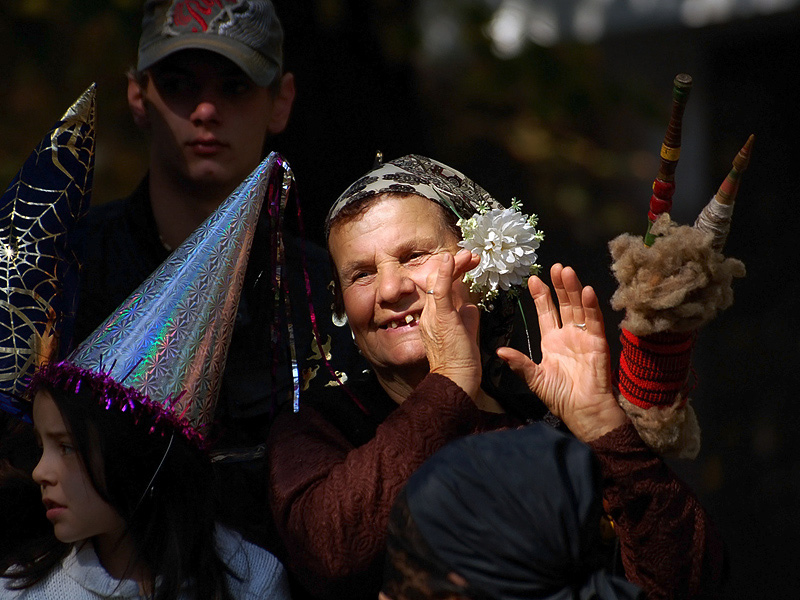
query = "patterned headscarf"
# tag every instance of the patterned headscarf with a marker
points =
(516, 513)
(415, 174)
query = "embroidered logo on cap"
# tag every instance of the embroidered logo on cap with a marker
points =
(201, 16)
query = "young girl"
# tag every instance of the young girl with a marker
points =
(132, 513)
(124, 475)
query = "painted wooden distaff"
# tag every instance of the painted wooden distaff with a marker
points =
(664, 184)
(670, 285)
(715, 218)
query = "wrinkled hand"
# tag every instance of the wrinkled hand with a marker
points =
(449, 326)
(574, 377)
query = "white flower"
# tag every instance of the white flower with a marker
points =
(506, 240)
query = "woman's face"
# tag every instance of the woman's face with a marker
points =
(73, 505)
(383, 258)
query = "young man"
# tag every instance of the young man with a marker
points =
(209, 90)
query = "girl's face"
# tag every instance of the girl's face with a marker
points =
(73, 505)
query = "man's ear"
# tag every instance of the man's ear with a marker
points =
(282, 105)
(136, 102)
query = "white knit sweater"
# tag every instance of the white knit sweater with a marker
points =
(80, 576)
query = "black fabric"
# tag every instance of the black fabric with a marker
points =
(413, 571)
(118, 247)
(340, 409)
(517, 514)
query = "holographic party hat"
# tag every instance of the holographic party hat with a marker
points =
(38, 270)
(162, 353)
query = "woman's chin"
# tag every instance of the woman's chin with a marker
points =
(407, 366)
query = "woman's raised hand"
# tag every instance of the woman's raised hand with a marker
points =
(574, 377)
(449, 326)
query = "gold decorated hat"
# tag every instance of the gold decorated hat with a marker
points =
(38, 269)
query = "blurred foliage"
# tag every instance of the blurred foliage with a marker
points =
(549, 115)
(555, 115)
(52, 50)
(549, 125)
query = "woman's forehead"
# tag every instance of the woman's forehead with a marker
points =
(389, 216)
(389, 229)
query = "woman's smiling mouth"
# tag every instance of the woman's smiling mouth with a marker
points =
(410, 320)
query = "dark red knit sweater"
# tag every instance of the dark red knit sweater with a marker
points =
(331, 499)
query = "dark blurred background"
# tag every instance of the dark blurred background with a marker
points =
(560, 103)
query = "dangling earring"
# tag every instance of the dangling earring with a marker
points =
(339, 321)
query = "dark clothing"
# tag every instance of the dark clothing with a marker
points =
(331, 492)
(670, 546)
(118, 246)
(516, 513)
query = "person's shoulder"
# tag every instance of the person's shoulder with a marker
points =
(98, 219)
(239, 554)
(257, 573)
(119, 208)
(105, 223)
(112, 209)
(57, 583)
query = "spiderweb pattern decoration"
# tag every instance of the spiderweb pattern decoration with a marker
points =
(162, 352)
(38, 270)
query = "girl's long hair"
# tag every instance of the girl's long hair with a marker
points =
(160, 484)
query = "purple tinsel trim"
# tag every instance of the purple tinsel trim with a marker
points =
(109, 393)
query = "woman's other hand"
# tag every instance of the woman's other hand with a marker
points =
(449, 328)
(574, 376)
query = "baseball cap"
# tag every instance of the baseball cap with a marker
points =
(246, 32)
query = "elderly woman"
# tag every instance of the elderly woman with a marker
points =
(338, 465)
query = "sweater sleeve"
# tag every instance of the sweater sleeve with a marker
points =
(255, 574)
(670, 547)
(331, 501)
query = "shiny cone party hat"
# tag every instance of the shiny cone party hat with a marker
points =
(38, 270)
(162, 353)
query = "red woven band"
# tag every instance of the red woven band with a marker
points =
(655, 369)
(661, 200)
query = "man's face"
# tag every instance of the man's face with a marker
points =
(208, 120)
